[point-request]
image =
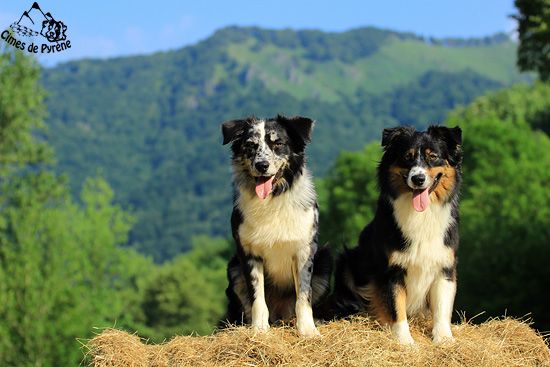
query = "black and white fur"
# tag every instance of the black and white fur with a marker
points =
(406, 259)
(277, 272)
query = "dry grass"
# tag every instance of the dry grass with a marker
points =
(359, 342)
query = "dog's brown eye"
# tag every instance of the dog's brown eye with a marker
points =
(432, 156)
(409, 156)
(278, 144)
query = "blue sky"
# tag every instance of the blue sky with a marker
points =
(102, 28)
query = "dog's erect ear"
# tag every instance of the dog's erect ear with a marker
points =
(298, 128)
(452, 138)
(390, 135)
(232, 130)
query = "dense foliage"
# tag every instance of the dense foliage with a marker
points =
(150, 124)
(57, 259)
(506, 207)
(534, 36)
(185, 295)
(62, 269)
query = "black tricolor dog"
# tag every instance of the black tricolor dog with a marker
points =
(277, 272)
(406, 259)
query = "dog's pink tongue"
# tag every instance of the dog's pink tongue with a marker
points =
(264, 186)
(421, 199)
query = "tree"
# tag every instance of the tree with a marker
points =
(534, 36)
(349, 196)
(505, 226)
(186, 295)
(21, 114)
(61, 272)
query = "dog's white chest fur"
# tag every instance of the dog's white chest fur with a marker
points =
(426, 255)
(279, 228)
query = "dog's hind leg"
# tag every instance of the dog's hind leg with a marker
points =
(348, 297)
(238, 306)
(320, 284)
(302, 268)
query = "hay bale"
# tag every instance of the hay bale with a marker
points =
(356, 342)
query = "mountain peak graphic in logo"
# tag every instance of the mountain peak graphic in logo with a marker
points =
(34, 22)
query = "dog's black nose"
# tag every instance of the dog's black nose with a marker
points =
(419, 179)
(262, 166)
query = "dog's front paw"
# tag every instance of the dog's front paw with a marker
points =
(402, 333)
(405, 339)
(442, 333)
(260, 326)
(260, 317)
(307, 329)
(304, 319)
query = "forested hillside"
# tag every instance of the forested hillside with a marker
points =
(150, 124)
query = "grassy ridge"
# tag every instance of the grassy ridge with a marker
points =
(396, 63)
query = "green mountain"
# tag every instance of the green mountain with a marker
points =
(151, 124)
